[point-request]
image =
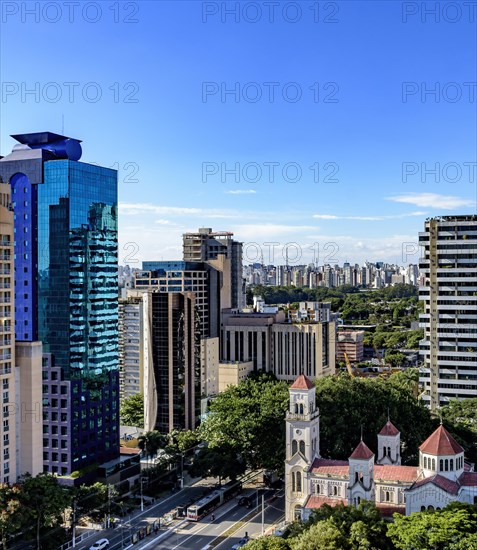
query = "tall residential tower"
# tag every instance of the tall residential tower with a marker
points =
(449, 347)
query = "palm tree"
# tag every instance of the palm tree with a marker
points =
(151, 442)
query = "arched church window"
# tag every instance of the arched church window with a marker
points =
(430, 508)
(293, 482)
(384, 452)
(356, 477)
(335, 491)
(298, 482)
(425, 462)
(387, 497)
(423, 508)
(300, 408)
(451, 467)
(302, 448)
(433, 463)
(296, 408)
(389, 451)
(359, 500)
(441, 465)
(446, 465)
(294, 447)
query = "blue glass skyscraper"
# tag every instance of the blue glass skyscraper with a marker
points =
(66, 290)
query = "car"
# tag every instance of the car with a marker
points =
(100, 544)
(242, 542)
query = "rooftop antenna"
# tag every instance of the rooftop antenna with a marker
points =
(361, 432)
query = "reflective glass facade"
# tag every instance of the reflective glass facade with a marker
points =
(78, 301)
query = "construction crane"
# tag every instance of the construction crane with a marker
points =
(348, 364)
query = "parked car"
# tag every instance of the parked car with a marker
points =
(100, 544)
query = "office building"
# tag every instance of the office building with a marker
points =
(449, 293)
(66, 288)
(285, 349)
(206, 246)
(171, 361)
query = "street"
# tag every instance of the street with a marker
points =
(183, 534)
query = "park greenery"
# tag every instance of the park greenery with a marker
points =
(390, 310)
(348, 528)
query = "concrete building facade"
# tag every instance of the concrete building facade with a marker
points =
(286, 349)
(449, 293)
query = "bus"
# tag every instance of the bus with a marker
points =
(230, 489)
(206, 504)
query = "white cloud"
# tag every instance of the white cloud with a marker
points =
(368, 218)
(241, 192)
(135, 209)
(433, 200)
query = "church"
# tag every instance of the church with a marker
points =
(442, 476)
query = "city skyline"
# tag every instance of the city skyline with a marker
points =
(353, 146)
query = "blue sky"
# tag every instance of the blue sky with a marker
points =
(147, 98)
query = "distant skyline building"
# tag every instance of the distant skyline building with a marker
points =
(206, 245)
(449, 294)
(67, 293)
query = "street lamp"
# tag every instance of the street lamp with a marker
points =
(142, 499)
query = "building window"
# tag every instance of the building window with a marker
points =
(387, 496)
(302, 448)
(294, 447)
(335, 491)
(433, 463)
(446, 465)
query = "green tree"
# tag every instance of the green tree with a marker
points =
(43, 500)
(349, 404)
(363, 526)
(250, 417)
(11, 513)
(132, 411)
(221, 461)
(460, 417)
(433, 530)
(324, 535)
(267, 543)
(468, 542)
(396, 358)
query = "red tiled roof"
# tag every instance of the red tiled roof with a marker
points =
(441, 443)
(334, 467)
(362, 452)
(468, 479)
(387, 510)
(317, 502)
(301, 383)
(389, 429)
(445, 484)
(129, 451)
(395, 473)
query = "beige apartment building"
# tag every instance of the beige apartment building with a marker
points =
(10, 397)
(351, 343)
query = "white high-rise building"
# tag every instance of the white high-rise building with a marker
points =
(449, 293)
